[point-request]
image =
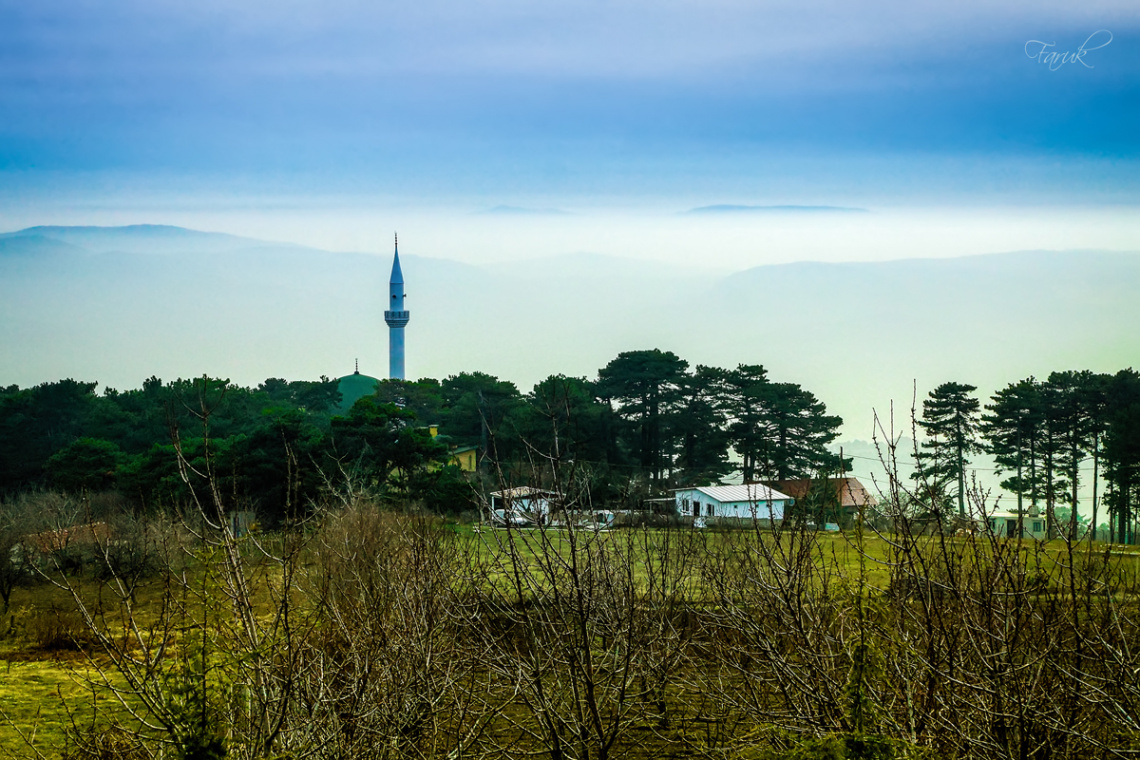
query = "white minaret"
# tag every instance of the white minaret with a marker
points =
(397, 318)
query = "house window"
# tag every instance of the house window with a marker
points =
(1036, 526)
(711, 511)
(696, 509)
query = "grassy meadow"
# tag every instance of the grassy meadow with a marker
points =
(626, 643)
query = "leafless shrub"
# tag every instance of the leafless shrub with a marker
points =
(57, 629)
(382, 678)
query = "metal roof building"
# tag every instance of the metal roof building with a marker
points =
(750, 500)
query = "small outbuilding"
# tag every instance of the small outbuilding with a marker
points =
(1004, 524)
(534, 504)
(752, 500)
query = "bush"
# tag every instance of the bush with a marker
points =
(104, 744)
(57, 630)
(847, 747)
(646, 520)
(135, 552)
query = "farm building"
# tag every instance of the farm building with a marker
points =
(751, 500)
(839, 499)
(1004, 525)
(533, 503)
(466, 458)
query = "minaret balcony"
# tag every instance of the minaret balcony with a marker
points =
(397, 318)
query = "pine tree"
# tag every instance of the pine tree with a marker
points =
(1122, 450)
(1013, 428)
(779, 430)
(742, 394)
(699, 430)
(1071, 418)
(800, 429)
(644, 388)
(950, 421)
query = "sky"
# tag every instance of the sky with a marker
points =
(1008, 125)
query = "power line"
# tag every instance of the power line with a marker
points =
(1085, 468)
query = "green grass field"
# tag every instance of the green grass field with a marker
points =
(43, 696)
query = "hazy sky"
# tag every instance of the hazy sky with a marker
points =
(332, 123)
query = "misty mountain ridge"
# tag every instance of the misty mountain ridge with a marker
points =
(101, 304)
(137, 238)
(729, 208)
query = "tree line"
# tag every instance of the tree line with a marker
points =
(646, 417)
(1041, 434)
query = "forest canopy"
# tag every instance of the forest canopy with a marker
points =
(647, 415)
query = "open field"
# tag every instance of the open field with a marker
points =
(677, 642)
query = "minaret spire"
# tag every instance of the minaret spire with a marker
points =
(396, 316)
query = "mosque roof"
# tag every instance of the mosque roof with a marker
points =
(353, 388)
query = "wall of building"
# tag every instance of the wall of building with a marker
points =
(764, 510)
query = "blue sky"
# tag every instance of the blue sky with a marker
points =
(479, 101)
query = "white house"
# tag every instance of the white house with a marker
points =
(751, 500)
(1004, 524)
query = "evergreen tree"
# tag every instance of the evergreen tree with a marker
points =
(1122, 451)
(481, 410)
(743, 395)
(1071, 419)
(644, 388)
(799, 430)
(1095, 399)
(423, 398)
(564, 420)
(950, 421)
(35, 423)
(1013, 428)
(1052, 453)
(702, 442)
(381, 442)
(779, 430)
(86, 464)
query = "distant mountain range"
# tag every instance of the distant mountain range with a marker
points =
(119, 304)
(733, 209)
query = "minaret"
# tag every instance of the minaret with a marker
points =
(396, 317)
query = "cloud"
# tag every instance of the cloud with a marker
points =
(523, 95)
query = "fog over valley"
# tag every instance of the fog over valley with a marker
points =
(118, 305)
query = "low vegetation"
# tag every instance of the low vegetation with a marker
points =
(373, 632)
